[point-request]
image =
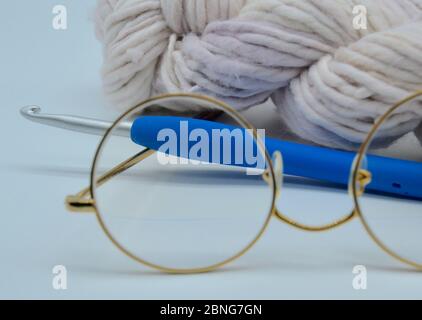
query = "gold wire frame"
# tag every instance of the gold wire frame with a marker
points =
(357, 168)
(85, 201)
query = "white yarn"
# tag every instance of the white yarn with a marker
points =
(139, 40)
(329, 81)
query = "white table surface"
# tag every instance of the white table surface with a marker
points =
(39, 166)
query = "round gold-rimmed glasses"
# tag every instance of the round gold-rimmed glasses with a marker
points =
(160, 213)
(206, 219)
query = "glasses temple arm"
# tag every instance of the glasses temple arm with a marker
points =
(83, 202)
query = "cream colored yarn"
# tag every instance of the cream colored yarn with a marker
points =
(140, 38)
(329, 81)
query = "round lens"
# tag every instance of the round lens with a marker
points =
(198, 198)
(389, 171)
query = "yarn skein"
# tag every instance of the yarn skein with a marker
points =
(329, 81)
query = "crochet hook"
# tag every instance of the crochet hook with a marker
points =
(389, 175)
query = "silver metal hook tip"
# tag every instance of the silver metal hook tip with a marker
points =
(30, 111)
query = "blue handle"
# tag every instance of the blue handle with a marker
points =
(393, 176)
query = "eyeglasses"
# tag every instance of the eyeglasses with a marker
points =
(187, 205)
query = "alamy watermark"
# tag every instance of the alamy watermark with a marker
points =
(59, 21)
(360, 279)
(360, 19)
(59, 277)
(236, 147)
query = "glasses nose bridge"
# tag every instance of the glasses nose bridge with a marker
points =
(277, 162)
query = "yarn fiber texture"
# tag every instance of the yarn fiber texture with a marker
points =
(329, 81)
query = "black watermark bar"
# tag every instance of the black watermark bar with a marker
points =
(256, 309)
